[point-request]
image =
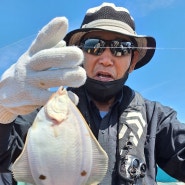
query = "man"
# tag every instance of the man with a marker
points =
(136, 133)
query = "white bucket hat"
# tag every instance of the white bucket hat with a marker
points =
(108, 17)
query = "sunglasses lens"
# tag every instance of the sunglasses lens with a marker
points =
(97, 46)
(119, 48)
(93, 46)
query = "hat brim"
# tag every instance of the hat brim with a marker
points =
(145, 44)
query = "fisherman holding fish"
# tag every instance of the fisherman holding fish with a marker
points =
(134, 134)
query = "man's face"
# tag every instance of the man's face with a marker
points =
(107, 67)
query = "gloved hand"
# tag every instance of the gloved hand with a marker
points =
(47, 63)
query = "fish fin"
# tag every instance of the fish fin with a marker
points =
(20, 168)
(99, 156)
(100, 162)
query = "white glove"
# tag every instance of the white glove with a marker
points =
(47, 63)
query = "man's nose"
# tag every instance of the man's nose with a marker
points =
(106, 58)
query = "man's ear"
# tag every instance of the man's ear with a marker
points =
(134, 61)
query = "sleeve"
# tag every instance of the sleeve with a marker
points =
(5, 145)
(6, 179)
(170, 141)
(12, 137)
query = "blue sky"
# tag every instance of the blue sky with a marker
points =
(163, 79)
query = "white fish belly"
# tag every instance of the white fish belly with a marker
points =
(63, 153)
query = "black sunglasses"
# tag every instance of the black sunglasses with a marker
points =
(97, 46)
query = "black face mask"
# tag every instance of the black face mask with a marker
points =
(104, 91)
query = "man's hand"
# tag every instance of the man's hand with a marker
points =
(47, 63)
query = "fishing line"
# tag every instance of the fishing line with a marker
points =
(158, 48)
(19, 42)
(145, 48)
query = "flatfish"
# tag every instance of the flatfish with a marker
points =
(60, 149)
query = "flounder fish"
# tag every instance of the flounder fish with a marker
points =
(60, 149)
